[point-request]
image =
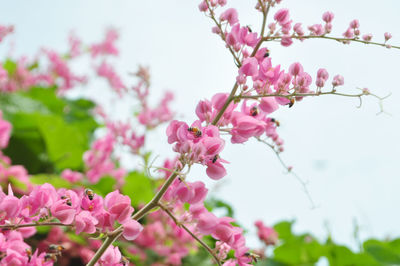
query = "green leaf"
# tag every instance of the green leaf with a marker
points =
(219, 204)
(343, 256)
(284, 230)
(18, 183)
(382, 251)
(65, 144)
(138, 187)
(77, 238)
(10, 66)
(104, 186)
(55, 180)
(48, 132)
(299, 252)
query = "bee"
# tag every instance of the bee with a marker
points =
(253, 256)
(68, 202)
(124, 261)
(64, 197)
(197, 132)
(89, 193)
(56, 248)
(50, 256)
(254, 111)
(28, 253)
(248, 27)
(215, 158)
(266, 53)
(277, 123)
(291, 102)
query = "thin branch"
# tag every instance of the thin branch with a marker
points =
(265, 12)
(289, 170)
(16, 226)
(332, 92)
(342, 40)
(231, 97)
(212, 16)
(170, 214)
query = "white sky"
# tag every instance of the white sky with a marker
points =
(349, 156)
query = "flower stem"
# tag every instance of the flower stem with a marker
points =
(170, 214)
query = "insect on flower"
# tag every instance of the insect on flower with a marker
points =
(254, 111)
(215, 158)
(197, 132)
(277, 123)
(253, 256)
(89, 193)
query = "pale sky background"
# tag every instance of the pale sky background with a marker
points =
(349, 156)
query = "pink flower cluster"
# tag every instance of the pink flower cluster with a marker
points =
(266, 234)
(147, 116)
(198, 144)
(15, 251)
(5, 30)
(203, 222)
(21, 78)
(107, 46)
(85, 211)
(60, 69)
(107, 71)
(161, 230)
(124, 133)
(98, 160)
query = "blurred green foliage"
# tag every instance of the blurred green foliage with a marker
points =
(49, 133)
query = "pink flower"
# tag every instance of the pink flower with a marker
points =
(118, 205)
(354, 24)
(203, 6)
(296, 69)
(349, 33)
(244, 127)
(286, 41)
(207, 222)
(107, 71)
(322, 74)
(111, 257)
(85, 222)
(267, 234)
(184, 192)
(388, 36)
(204, 110)
(249, 67)
(282, 16)
(107, 47)
(63, 212)
(367, 37)
(213, 145)
(215, 170)
(268, 105)
(298, 29)
(230, 15)
(41, 197)
(200, 192)
(71, 176)
(338, 80)
(317, 29)
(132, 229)
(14, 258)
(172, 129)
(5, 30)
(328, 17)
(10, 206)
